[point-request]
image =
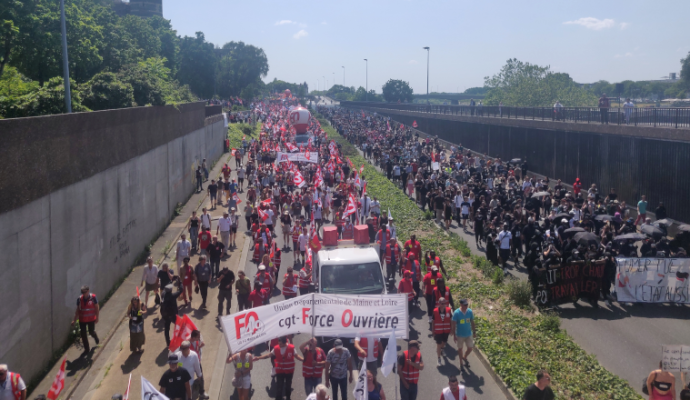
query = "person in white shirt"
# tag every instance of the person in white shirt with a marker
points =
(366, 206)
(371, 352)
(183, 249)
(525, 184)
(454, 391)
(205, 218)
(190, 362)
(628, 107)
(303, 240)
(150, 276)
(392, 228)
(224, 226)
(505, 239)
(376, 207)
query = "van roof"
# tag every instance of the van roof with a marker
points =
(352, 255)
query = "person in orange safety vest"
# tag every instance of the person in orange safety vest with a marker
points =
(87, 314)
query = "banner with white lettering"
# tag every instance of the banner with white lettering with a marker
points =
(344, 316)
(285, 157)
(653, 280)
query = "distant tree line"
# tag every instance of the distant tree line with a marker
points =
(114, 61)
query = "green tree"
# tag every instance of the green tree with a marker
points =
(685, 71)
(48, 99)
(198, 62)
(397, 90)
(476, 90)
(105, 91)
(241, 69)
(529, 85)
(11, 11)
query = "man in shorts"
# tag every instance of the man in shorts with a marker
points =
(234, 222)
(464, 330)
(150, 277)
(241, 174)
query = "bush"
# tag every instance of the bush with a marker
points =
(520, 292)
(428, 215)
(106, 92)
(549, 321)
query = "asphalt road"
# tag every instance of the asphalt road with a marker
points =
(479, 383)
(625, 338)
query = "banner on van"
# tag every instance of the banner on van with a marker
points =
(317, 314)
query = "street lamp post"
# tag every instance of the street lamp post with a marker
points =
(343, 76)
(366, 88)
(427, 73)
(325, 83)
(65, 61)
(334, 79)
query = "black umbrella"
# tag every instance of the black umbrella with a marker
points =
(560, 216)
(603, 217)
(651, 230)
(571, 231)
(586, 238)
(630, 236)
(684, 228)
(663, 222)
(541, 194)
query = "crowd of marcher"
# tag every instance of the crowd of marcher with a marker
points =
(513, 214)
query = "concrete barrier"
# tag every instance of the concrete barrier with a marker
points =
(90, 231)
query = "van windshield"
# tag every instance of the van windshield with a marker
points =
(302, 138)
(352, 279)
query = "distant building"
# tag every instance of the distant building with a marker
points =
(140, 8)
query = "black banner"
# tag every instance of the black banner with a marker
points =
(568, 283)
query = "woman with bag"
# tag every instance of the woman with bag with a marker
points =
(137, 338)
(660, 385)
(242, 381)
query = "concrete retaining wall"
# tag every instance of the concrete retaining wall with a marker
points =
(88, 233)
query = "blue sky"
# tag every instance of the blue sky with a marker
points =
(307, 40)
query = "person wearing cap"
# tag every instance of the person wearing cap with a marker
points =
(190, 362)
(464, 330)
(442, 316)
(428, 285)
(174, 383)
(505, 241)
(454, 391)
(413, 266)
(169, 309)
(338, 367)
(12, 385)
(87, 313)
(413, 246)
(410, 363)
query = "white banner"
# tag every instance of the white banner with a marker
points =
(344, 316)
(653, 280)
(283, 157)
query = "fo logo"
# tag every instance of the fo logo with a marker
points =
(248, 324)
(294, 117)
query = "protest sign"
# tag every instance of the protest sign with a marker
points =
(653, 280)
(313, 157)
(344, 316)
(675, 358)
(570, 282)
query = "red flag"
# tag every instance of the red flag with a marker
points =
(58, 383)
(414, 123)
(402, 126)
(183, 331)
(236, 198)
(364, 189)
(361, 169)
(262, 214)
(291, 147)
(350, 162)
(129, 384)
(299, 179)
(351, 207)
(138, 292)
(307, 155)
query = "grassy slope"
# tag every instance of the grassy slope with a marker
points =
(517, 342)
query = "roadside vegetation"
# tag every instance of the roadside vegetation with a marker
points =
(517, 341)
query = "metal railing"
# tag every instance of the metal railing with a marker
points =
(647, 117)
